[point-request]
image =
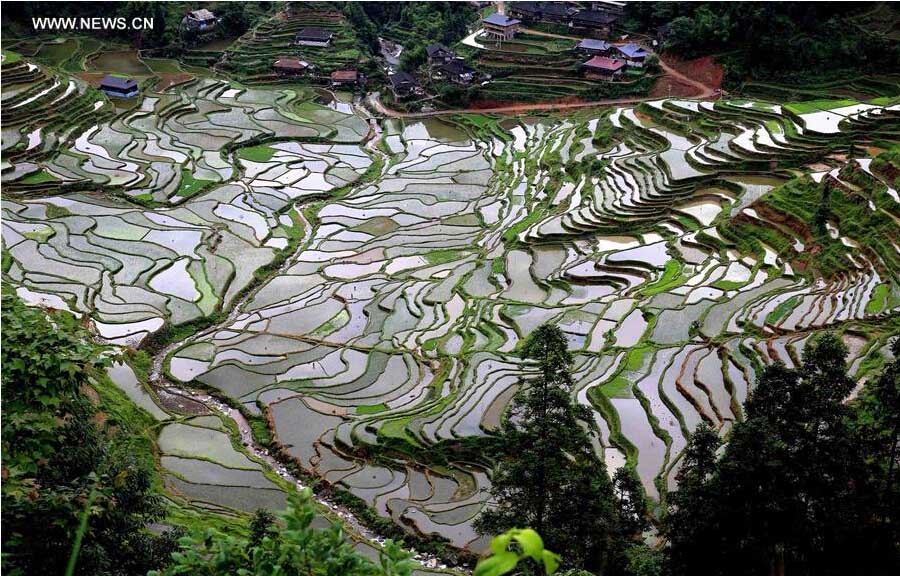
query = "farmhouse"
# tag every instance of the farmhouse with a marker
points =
(318, 37)
(290, 66)
(610, 7)
(557, 12)
(603, 67)
(591, 46)
(438, 55)
(199, 21)
(403, 85)
(595, 22)
(119, 87)
(633, 54)
(345, 78)
(500, 27)
(456, 71)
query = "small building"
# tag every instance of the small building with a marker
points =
(500, 27)
(633, 54)
(457, 72)
(614, 7)
(404, 85)
(343, 78)
(290, 67)
(595, 47)
(119, 86)
(318, 37)
(596, 22)
(438, 55)
(200, 21)
(557, 12)
(603, 68)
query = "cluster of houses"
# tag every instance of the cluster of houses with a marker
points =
(315, 37)
(443, 64)
(608, 61)
(596, 21)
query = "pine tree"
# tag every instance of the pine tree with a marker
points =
(551, 480)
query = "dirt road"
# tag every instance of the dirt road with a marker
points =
(375, 103)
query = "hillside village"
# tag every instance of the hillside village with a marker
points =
(528, 51)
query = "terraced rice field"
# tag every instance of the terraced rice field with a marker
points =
(364, 285)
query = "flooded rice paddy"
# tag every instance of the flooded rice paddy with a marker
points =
(357, 293)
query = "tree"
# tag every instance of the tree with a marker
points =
(234, 18)
(689, 521)
(295, 548)
(876, 428)
(788, 493)
(552, 480)
(60, 459)
(412, 58)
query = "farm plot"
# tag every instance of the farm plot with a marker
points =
(216, 217)
(400, 318)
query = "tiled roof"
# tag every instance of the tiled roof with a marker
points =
(117, 83)
(500, 20)
(604, 63)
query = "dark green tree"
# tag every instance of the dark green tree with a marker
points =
(412, 58)
(788, 493)
(551, 479)
(876, 426)
(234, 18)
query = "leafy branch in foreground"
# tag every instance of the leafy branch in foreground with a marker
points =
(511, 548)
(73, 469)
(292, 548)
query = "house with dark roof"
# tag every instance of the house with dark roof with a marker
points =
(438, 55)
(119, 86)
(290, 67)
(633, 54)
(603, 68)
(592, 46)
(500, 27)
(404, 85)
(558, 12)
(342, 78)
(457, 72)
(318, 37)
(593, 22)
(614, 7)
(200, 21)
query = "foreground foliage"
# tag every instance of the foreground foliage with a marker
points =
(61, 460)
(292, 548)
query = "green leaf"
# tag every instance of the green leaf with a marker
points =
(500, 544)
(497, 564)
(531, 542)
(551, 561)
